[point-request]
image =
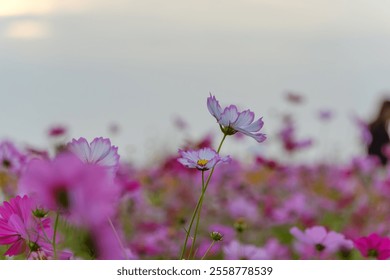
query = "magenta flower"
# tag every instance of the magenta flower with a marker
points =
(57, 131)
(11, 160)
(99, 151)
(232, 121)
(288, 137)
(21, 229)
(317, 239)
(374, 246)
(203, 159)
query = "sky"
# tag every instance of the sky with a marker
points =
(140, 64)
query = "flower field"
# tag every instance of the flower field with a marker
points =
(85, 202)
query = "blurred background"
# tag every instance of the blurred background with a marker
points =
(140, 72)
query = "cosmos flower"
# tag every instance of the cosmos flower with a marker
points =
(317, 239)
(374, 246)
(99, 151)
(57, 131)
(203, 159)
(11, 160)
(84, 193)
(231, 121)
(21, 229)
(237, 251)
(288, 137)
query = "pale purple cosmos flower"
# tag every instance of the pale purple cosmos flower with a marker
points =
(203, 159)
(237, 251)
(317, 239)
(84, 193)
(232, 121)
(99, 151)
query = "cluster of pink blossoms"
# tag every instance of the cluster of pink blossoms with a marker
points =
(84, 203)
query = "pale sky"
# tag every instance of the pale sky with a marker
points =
(89, 63)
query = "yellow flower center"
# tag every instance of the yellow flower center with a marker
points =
(202, 162)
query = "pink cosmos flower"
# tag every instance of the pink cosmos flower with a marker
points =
(57, 131)
(288, 137)
(232, 121)
(83, 192)
(317, 239)
(11, 160)
(21, 229)
(203, 159)
(99, 151)
(374, 246)
(237, 251)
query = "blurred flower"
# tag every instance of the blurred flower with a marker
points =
(243, 208)
(84, 193)
(325, 115)
(231, 121)
(180, 123)
(275, 250)
(365, 134)
(237, 251)
(203, 159)
(57, 131)
(288, 137)
(294, 97)
(11, 160)
(317, 239)
(99, 152)
(374, 246)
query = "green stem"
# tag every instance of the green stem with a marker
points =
(199, 204)
(198, 218)
(208, 250)
(55, 234)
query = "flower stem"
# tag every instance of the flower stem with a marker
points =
(118, 238)
(208, 250)
(55, 234)
(198, 218)
(199, 205)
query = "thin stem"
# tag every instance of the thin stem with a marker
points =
(190, 226)
(199, 204)
(197, 220)
(47, 239)
(55, 234)
(220, 144)
(208, 250)
(117, 238)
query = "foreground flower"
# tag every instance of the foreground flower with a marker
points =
(232, 121)
(374, 246)
(83, 192)
(21, 229)
(99, 151)
(203, 159)
(318, 240)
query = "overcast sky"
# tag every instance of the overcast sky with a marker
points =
(86, 64)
